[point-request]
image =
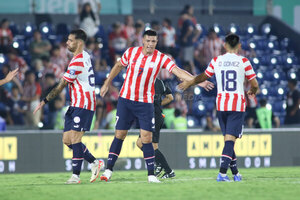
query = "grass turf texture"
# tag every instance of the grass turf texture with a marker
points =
(264, 183)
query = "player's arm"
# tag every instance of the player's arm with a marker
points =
(9, 76)
(52, 94)
(168, 98)
(254, 87)
(113, 73)
(196, 80)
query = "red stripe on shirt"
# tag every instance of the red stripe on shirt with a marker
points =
(148, 76)
(226, 102)
(166, 63)
(87, 94)
(139, 51)
(77, 64)
(138, 81)
(219, 102)
(172, 67)
(68, 79)
(208, 73)
(215, 59)
(81, 104)
(243, 104)
(248, 68)
(78, 56)
(245, 60)
(155, 75)
(127, 71)
(94, 98)
(234, 103)
(75, 95)
(211, 66)
(250, 77)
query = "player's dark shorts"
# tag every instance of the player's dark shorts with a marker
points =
(159, 122)
(128, 111)
(78, 119)
(231, 122)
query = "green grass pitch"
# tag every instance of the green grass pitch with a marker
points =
(263, 183)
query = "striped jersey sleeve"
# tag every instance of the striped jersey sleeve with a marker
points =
(126, 56)
(74, 69)
(249, 72)
(168, 63)
(210, 70)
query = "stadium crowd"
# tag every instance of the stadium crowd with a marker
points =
(41, 55)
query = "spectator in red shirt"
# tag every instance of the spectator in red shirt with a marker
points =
(129, 28)
(31, 95)
(58, 59)
(15, 61)
(118, 41)
(6, 36)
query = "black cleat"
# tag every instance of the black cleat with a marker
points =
(169, 175)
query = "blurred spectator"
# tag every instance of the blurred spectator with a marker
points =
(111, 117)
(251, 105)
(139, 30)
(264, 117)
(17, 108)
(39, 47)
(169, 113)
(156, 27)
(95, 5)
(6, 36)
(31, 95)
(212, 46)
(88, 21)
(180, 104)
(8, 86)
(118, 41)
(168, 38)
(15, 61)
(293, 101)
(180, 121)
(57, 59)
(56, 104)
(50, 68)
(188, 36)
(212, 123)
(129, 28)
(188, 9)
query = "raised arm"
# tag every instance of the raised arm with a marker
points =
(9, 76)
(254, 87)
(182, 74)
(52, 94)
(113, 73)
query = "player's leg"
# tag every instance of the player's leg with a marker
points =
(123, 123)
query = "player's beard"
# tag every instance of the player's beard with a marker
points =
(72, 49)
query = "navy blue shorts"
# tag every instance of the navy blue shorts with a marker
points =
(128, 111)
(231, 122)
(78, 119)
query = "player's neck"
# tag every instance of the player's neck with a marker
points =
(233, 51)
(78, 51)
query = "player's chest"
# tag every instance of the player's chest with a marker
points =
(143, 62)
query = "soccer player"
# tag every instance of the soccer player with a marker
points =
(9, 76)
(81, 82)
(161, 90)
(136, 97)
(231, 70)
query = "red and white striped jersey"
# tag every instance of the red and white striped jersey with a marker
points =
(81, 78)
(231, 70)
(141, 73)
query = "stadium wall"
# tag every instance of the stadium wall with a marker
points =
(43, 151)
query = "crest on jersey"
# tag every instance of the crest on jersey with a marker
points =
(72, 71)
(152, 64)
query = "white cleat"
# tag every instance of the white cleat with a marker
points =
(106, 176)
(96, 166)
(153, 179)
(74, 179)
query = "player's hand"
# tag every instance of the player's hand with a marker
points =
(11, 75)
(103, 90)
(42, 103)
(184, 85)
(251, 94)
(207, 85)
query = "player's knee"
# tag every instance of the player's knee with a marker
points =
(66, 141)
(121, 135)
(147, 138)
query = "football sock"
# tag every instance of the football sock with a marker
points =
(86, 154)
(114, 151)
(160, 159)
(149, 157)
(226, 156)
(233, 165)
(77, 158)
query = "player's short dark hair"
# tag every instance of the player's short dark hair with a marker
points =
(232, 40)
(262, 102)
(79, 34)
(293, 81)
(150, 32)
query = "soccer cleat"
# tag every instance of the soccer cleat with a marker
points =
(221, 178)
(157, 171)
(96, 166)
(237, 177)
(106, 175)
(168, 175)
(153, 179)
(74, 179)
